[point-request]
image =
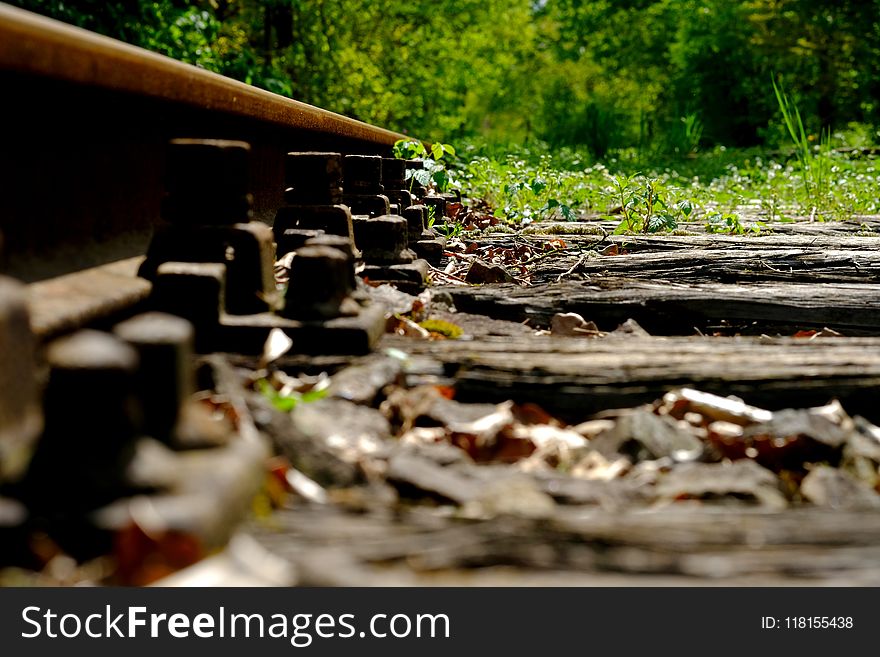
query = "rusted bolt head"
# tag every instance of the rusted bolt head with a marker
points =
(362, 174)
(193, 290)
(393, 173)
(383, 240)
(207, 181)
(295, 238)
(20, 417)
(320, 284)
(165, 378)
(92, 353)
(88, 397)
(336, 241)
(313, 178)
(416, 218)
(343, 244)
(313, 168)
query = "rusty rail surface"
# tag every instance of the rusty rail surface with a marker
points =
(88, 119)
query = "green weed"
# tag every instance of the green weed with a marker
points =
(815, 166)
(526, 185)
(645, 205)
(287, 402)
(435, 173)
(731, 224)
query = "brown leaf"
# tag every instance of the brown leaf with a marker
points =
(481, 272)
(530, 413)
(573, 325)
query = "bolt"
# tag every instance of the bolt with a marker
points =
(191, 290)
(313, 178)
(335, 241)
(208, 207)
(20, 418)
(383, 240)
(363, 185)
(314, 198)
(207, 182)
(91, 416)
(416, 216)
(90, 383)
(294, 238)
(246, 250)
(363, 174)
(343, 244)
(333, 219)
(165, 379)
(394, 181)
(320, 285)
(393, 173)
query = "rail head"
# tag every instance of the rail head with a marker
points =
(36, 46)
(92, 119)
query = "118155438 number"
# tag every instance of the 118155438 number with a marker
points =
(818, 622)
(807, 623)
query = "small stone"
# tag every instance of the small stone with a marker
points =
(739, 480)
(351, 431)
(415, 474)
(830, 487)
(481, 272)
(512, 496)
(630, 328)
(644, 435)
(363, 383)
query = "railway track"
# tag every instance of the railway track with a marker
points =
(139, 183)
(85, 171)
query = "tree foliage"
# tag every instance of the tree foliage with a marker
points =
(667, 75)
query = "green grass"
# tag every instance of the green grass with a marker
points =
(742, 187)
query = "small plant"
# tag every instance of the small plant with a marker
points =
(432, 216)
(554, 206)
(450, 229)
(693, 132)
(644, 207)
(683, 136)
(434, 172)
(815, 167)
(287, 401)
(731, 224)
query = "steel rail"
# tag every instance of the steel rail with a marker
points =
(87, 122)
(39, 46)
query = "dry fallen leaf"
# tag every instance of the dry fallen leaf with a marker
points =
(277, 344)
(573, 325)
